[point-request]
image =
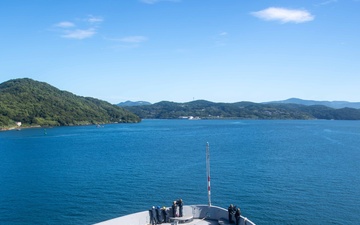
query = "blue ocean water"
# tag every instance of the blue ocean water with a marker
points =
(277, 172)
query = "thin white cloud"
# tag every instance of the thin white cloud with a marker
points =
(128, 42)
(133, 39)
(284, 15)
(86, 28)
(129, 39)
(157, 1)
(94, 19)
(65, 24)
(326, 2)
(221, 39)
(79, 34)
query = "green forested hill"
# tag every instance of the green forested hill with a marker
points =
(242, 110)
(36, 103)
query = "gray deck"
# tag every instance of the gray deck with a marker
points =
(197, 222)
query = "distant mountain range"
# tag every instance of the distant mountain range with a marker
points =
(34, 103)
(242, 110)
(332, 104)
(130, 103)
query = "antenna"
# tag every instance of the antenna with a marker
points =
(208, 172)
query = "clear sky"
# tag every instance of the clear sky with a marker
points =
(184, 50)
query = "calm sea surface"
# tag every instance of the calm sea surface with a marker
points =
(277, 172)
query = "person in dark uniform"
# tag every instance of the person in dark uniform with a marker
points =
(165, 214)
(152, 212)
(237, 216)
(174, 209)
(180, 204)
(231, 211)
(159, 215)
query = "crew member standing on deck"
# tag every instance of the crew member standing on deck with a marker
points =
(180, 204)
(231, 211)
(165, 214)
(174, 209)
(159, 215)
(237, 216)
(152, 212)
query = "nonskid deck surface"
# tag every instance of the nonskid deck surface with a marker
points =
(197, 222)
(190, 221)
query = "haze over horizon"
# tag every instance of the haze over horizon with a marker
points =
(185, 50)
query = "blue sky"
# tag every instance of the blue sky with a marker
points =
(184, 50)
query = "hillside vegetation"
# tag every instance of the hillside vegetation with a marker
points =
(36, 103)
(242, 110)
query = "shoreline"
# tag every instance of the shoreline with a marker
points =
(18, 128)
(39, 126)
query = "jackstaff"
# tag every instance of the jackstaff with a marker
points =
(208, 172)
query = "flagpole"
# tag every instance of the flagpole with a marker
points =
(208, 172)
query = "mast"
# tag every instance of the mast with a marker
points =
(208, 172)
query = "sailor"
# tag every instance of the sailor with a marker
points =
(152, 212)
(174, 209)
(165, 214)
(159, 215)
(237, 216)
(180, 204)
(231, 211)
